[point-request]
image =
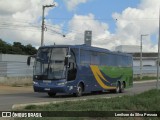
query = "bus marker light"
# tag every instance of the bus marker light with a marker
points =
(70, 87)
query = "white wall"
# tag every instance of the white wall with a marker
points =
(10, 57)
(15, 65)
(144, 62)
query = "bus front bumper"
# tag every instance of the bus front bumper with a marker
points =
(62, 88)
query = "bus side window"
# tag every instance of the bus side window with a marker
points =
(85, 57)
(103, 59)
(130, 61)
(112, 60)
(95, 58)
(124, 61)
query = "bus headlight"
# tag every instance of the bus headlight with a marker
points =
(35, 83)
(61, 83)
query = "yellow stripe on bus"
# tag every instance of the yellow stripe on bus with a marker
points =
(98, 73)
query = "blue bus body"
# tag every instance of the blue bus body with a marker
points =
(95, 69)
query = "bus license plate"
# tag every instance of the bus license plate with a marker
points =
(46, 81)
(47, 89)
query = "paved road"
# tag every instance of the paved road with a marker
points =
(7, 100)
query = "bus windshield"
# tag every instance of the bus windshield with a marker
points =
(49, 63)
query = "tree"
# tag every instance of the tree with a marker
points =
(30, 50)
(4, 47)
(17, 48)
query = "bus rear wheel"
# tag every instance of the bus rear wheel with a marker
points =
(117, 90)
(51, 94)
(122, 87)
(79, 91)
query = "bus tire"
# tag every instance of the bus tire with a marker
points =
(117, 90)
(118, 87)
(79, 90)
(122, 87)
(51, 94)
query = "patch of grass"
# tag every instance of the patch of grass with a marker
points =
(147, 101)
(28, 84)
(30, 107)
(15, 85)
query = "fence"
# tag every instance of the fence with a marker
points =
(15, 69)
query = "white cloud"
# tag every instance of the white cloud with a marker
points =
(71, 4)
(133, 22)
(149, 4)
(10, 7)
(100, 33)
(20, 20)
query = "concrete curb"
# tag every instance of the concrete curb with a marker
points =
(22, 106)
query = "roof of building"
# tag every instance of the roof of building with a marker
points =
(153, 54)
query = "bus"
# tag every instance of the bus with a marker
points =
(79, 69)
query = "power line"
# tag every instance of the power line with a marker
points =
(106, 19)
(21, 29)
(19, 19)
(77, 32)
(15, 24)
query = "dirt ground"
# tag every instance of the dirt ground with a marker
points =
(14, 90)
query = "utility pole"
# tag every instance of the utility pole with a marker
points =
(141, 57)
(42, 30)
(157, 86)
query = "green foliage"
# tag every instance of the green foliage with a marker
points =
(16, 48)
(147, 101)
(30, 107)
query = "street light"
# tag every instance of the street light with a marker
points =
(157, 86)
(42, 32)
(141, 56)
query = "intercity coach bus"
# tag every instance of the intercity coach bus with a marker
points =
(78, 69)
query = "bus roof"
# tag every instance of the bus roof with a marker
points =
(86, 47)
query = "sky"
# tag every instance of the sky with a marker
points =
(112, 22)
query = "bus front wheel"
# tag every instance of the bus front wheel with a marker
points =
(51, 94)
(79, 91)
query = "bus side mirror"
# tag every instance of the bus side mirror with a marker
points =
(66, 61)
(29, 61)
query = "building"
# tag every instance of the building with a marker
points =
(148, 59)
(128, 48)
